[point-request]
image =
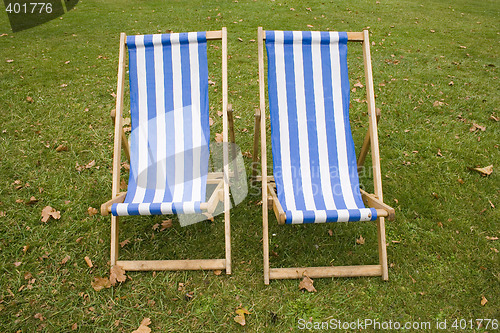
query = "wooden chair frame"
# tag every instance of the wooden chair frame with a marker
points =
(270, 199)
(221, 192)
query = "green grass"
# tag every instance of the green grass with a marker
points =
(441, 265)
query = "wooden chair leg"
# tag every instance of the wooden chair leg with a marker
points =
(114, 240)
(382, 248)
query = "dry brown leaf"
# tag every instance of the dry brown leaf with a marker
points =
(86, 166)
(92, 211)
(165, 224)
(89, 262)
(217, 272)
(360, 240)
(476, 127)
(220, 113)
(210, 121)
(358, 85)
(247, 154)
(65, 260)
(156, 226)
(17, 263)
(31, 201)
(307, 284)
(117, 274)
(9, 60)
(491, 238)
(123, 185)
(437, 103)
(218, 137)
(48, 212)
(486, 171)
(330, 232)
(210, 82)
(74, 327)
(494, 249)
(491, 204)
(61, 148)
(483, 301)
(494, 118)
(29, 99)
(143, 328)
(39, 316)
(125, 242)
(100, 283)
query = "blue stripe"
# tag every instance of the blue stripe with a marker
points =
(151, 116)
(274, 113)
(330, 122)
(187, 113)
(134, 115)
(312, 129)
(169, 117)
(293, 129)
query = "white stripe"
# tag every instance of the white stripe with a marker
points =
(143, 209)
(121, 209)
(320, 216)
(188, 208)
(343, 215)
(305, 167)
(178, 120)
(345, 180)
(283, 122)
(319, 102)
(196, 115)
(142, 129)
(297, 216)
(161, 142)
(166, 208)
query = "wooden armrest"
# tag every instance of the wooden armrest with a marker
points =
(106, 207)
(372, 201)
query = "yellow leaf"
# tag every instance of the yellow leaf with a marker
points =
(240, 319)
(242, 311)
(307, 284)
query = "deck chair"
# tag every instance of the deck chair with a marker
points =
(314, 164)
(169, 141)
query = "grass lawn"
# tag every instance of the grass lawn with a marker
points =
(435, 69)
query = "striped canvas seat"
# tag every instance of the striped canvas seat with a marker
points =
(169, 147)
(313, 151)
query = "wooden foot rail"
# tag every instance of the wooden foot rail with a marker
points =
(172, 265)
(325, 272)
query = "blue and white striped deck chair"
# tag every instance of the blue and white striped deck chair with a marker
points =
(314, 162)
(169, 141)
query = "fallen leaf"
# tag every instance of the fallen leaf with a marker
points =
(29, 99)
(218, 137)
(39, 316)
(125, 242)
(9, 60)
(92, 211)
(220, 113)
(217, 272)
(210, 121)
(310, 26)
(360, 240)
(31, 201)
(48, 212)
(494, 118)
(117, 274)
(476, 127)
(210, 82)
(242, 311)
(240, 39)
(439, 153)
(491, 238)
(89, 262)
(156, 226)
(17, 263)
(307, 284)
(437, 103)
(61, 148)
(491, 204)
(100, 283)
(123, 185)
(143, 328)
(86, 166)
(330, 232)
(494, 250)
(486, 171)
(65, 260)
(358, 85)
(74, 327)
(483, 301)
(165, 224)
